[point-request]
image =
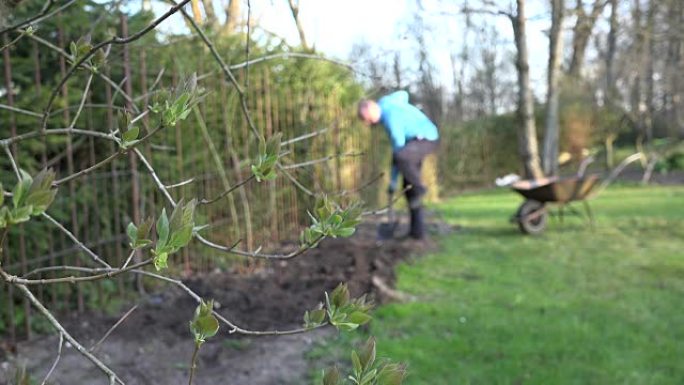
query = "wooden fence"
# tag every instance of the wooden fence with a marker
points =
(200, 157)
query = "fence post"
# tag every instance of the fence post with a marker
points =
(135, 182)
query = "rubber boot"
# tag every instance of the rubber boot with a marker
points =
(417, 223)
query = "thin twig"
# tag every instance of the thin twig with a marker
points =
(80, 244)
(128, 260)
(11, 43)
(295, 181)
(363, 186)
(180, 184)
(119, 322)
(54, 364)
(8, 152)
(83, 100)
(228, 191)
(21, 111)
(302, 137)
(321, 160)
(384, 209)
(193, 362)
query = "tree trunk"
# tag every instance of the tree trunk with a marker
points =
(582, 34)
(212, 20)
(551, 135)
(636, 93)
(396, 67)
(232, 16)
(527, 134)
(677, 62)
(610, 90)
(649, 57)
(294, 8)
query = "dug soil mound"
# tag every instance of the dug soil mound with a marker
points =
(153, 345)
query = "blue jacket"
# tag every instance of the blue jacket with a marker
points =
(404, 122)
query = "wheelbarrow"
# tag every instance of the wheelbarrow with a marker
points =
(539, 194)
(532, 215)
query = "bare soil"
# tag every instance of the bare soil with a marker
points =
(153, 345)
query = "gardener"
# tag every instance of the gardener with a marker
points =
(413, 137)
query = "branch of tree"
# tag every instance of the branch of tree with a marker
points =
(113, 378)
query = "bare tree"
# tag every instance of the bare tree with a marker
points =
(550, 159)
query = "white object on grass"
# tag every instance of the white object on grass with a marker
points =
(507, 180)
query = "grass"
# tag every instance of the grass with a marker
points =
(577, 305)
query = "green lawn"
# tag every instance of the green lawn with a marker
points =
(573, 306)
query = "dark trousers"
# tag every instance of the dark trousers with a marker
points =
(409, 162)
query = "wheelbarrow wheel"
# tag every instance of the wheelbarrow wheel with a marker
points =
(532, 216)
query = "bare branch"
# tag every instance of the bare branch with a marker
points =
(113, 378)
(57, 131)
(102, 76)
(114, 40)
(302, 137)
(322, 160)
(104, 161)
(179, 184)
(12, 279)
(54, 364)
(83, 100)
(226, 71)
(294, 180)
(8, 152)
(228, 191)
(42, 15)
(21, 111)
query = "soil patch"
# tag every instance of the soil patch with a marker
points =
(153, 345)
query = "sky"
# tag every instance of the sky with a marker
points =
(334, 26)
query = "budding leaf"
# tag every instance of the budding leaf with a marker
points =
(161, 261)
(20, 214)
(367, 353)
(132, 233)
(359, 318)
(131, 134)
(331, 376)
(162, 229)
(340, 296)
(4, 217)
(356, 363)
(391, 374)
(21, 189)
(204, 325)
